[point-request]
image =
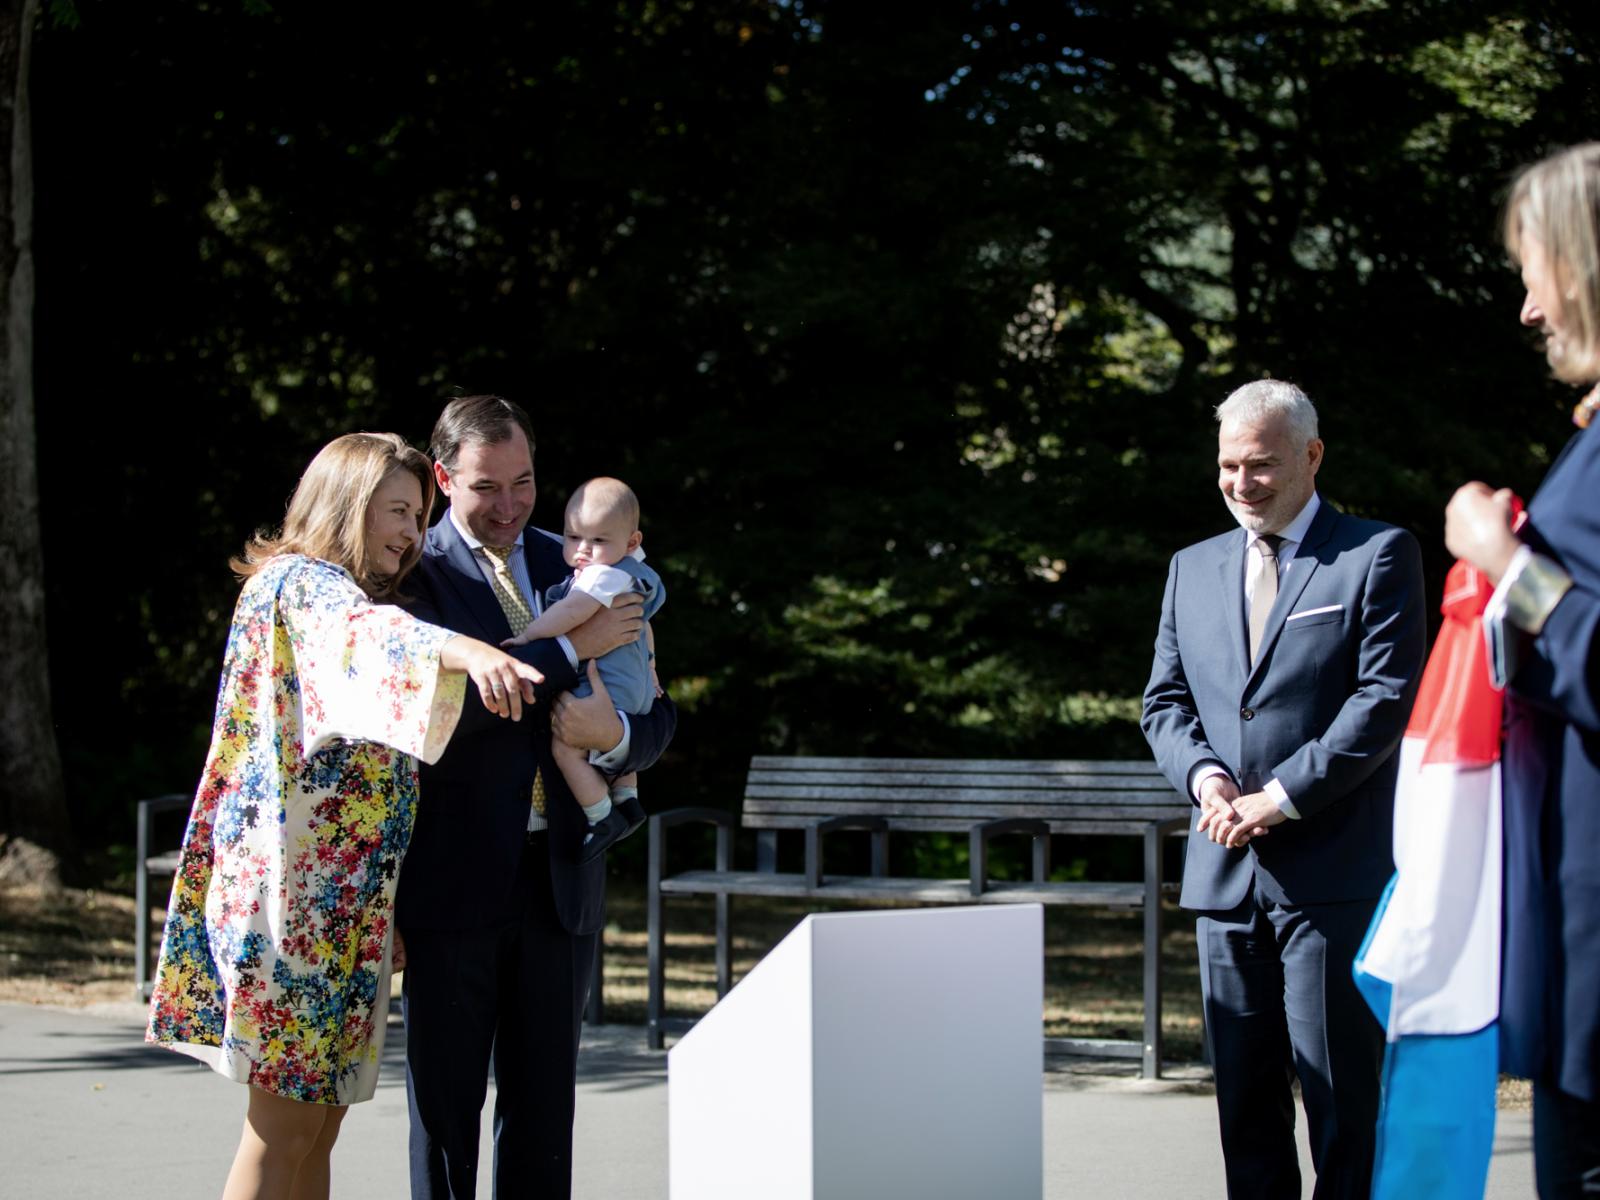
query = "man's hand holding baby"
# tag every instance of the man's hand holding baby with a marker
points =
(590, 723)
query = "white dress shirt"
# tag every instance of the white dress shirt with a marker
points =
(1290, 537)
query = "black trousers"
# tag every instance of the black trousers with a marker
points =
(1566, 1144)
(510, 996)
(1280, 1004)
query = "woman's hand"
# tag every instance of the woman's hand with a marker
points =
(504, 683)
(1477, 528)
(397, 956)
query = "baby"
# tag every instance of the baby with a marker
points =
(601, 545)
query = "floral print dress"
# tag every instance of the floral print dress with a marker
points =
(275, 963)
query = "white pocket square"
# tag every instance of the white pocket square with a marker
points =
(1313, 612)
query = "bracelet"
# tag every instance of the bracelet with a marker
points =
(1535, 592)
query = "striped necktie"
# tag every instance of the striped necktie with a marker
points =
(509, 597)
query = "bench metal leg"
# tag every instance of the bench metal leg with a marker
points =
(725, 913)
(724, 904)
(595, 1011)
(141, 905)
(655, 922)
(767, 850)
(1151, 1057)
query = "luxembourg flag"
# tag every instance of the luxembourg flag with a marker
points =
(1430, 964)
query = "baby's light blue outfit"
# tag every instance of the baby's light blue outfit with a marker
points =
(625, 670)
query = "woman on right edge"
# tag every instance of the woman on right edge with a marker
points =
(1548, 577)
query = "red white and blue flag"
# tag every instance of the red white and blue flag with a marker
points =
(1430, 964)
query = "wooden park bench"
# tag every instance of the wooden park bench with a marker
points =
(152, 859)
(982, 798)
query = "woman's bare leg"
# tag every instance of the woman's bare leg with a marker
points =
(312, 1181)
(279, 1135)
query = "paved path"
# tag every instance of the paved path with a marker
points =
(86, 1110)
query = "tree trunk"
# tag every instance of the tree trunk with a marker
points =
(35, 835)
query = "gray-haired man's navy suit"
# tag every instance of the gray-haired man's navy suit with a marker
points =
(1322, 711)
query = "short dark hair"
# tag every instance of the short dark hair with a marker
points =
(484, 419)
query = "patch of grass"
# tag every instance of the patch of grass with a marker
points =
(65, 946)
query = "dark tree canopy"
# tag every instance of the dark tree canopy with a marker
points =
(904, 322)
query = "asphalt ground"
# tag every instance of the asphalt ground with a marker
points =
(87, 1110)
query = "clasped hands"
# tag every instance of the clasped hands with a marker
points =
(1230, 818)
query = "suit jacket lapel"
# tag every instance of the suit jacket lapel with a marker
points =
(1234, 616)
(541, 554)
(1301, 567)
(467, 579)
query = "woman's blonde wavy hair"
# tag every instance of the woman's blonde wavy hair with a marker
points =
(1557, 202)
(327, 515)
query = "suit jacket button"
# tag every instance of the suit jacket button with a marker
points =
(1247, 713)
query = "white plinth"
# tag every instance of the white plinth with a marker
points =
(876, 1055)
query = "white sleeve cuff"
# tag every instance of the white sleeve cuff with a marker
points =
(1203, 771)
(1529, 591)
(566, 648)
(614, 758)
(1275, 791)
(1514, 569)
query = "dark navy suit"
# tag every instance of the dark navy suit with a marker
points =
(1322, 711)
(1550, 975)
(500, 928)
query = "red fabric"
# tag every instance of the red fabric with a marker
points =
(1457, 709)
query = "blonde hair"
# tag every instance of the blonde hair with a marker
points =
(1557, 202)
(327, 516)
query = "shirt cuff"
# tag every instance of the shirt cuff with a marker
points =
(1203, 771)
(1278, 796)
(1529, 591)
(614, 758)
(566, 648)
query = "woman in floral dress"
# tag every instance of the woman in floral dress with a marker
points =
(279, 941)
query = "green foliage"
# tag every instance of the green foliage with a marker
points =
(906, 333)
(62, 13)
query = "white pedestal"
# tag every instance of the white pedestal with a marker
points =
(880, 1055)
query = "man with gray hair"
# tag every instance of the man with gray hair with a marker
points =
(1285, 665)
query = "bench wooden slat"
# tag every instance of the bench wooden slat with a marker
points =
(945, 825)
(900, 781)
(1003, 766)
(863, 800)
(935, 891)
(895, 796)
(965, 815)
